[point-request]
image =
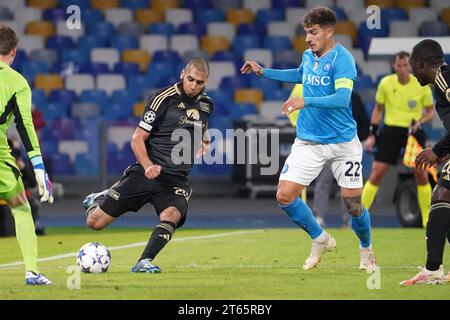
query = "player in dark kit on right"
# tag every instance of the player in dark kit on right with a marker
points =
(429, 67)
(160, 175)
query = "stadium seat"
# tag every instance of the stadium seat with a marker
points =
(445, 16)
(48, 82)
(409, 4)
(30, 69)
(239, 110)
(61, 165)
(358, 55)
(38, 97)
(264, 84)
(347, 28)
(196, 4)
(105, 4)
(148, 16)
(265, 16)
(288, 56)
(152, 43)
(91, 42)
(110, 82)
(103, 29)
(403, 29)
(374, 68)
(254, 96)
(229, 56)
(138, 109)
(279, 95)
(184, 43)
(159, 71)
(43, 4)
(309, 4)
(438, 5)
(127, 69)
(140, 57)
(124, 97)
(255, 5)
(226, 6)
(116, 111)
(191, 28)
(275, 43)
(131, 29)
(54, 110)
(63, 96)
(75, 34)
(122, 43)
(85, 165)
(364, 31)
(341, 15)
(83, 4)
(381, 3)
(235, 82)
(178, 16)
(221, 96)
(419, 15)
(262, 56)
(163, 5)
(271, 109)
(91, 16)
(251, 29)
(72, 148)
(281, 29)
(48, 56)
(85, 110)
(5, 13)
(24, 15)
(212, 44)
(206, 16)
(345, 40)
(120, 135)
(165, 56)
(222, 29)
(393, 14)
(239, 16)
(80, 82)
(300, 44)
(135, 4)
(118, 15)
(294, 16)
(219, 70)
(163, 29)
(242, 43)
(94, 96)
(44, 29)
(110, 56)
(433, 29)
(59, 43)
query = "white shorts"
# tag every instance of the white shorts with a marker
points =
(308, 158)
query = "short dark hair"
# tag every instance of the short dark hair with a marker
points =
(8, 39)
(400, 55)
(323, 16)
(429, 51)
(199, 64)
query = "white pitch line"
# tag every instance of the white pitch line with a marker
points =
(137, 244)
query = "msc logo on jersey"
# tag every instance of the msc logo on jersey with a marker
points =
(149, 116)
(193, 114)
(327, 67)
(317, 80)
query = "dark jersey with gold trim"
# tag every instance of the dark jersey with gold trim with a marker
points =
(442, 93)
(176, 123)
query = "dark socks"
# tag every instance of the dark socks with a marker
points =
(437, 231)
(161, 235)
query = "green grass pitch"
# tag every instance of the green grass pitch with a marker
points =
(225, 264)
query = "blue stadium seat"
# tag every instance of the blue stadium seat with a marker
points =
(167, 81)
(59, 43)
(65, 128)
(104, 29)
(61, 165)
(30, 69)
(231, 56)
(162, 56)
(80, 56)
(283, 4)
(91, 16)
(340, 13)
(276, 43)
(242, 43)
(221, 109)
(138, 83)
(124, 97)
(221, 96)
(90, 42)
(363, 82)
(99, 97)
(434, 29)
(238, 110)
(135, 4)
(221, 123)
(363, 43)
(54, 110)
(265, 16)
(235, 82)
(196, 4)
(55, 14)
(216, 169)
(126, 68)
(38, 97)
(363, 31)
(447, 58)
(251, 29)
(124, 42)
(20, 58)
(66, 97)
(159, 70)
(191, 28)
(116, 111)
(83, 4)
(205, 16)
(285, 65)
(95, 68)
(264, 84)
(277, 95)
(48, 146)
(163, 28)
(392, 14)
(85, 165)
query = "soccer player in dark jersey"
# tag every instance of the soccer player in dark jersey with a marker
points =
(429, 67)
(160, 175)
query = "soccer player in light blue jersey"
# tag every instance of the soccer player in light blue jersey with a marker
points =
(326, 134)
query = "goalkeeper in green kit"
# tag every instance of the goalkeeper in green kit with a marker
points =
(15, 100)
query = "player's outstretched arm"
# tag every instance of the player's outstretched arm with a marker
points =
(288, 75)
(138, 146)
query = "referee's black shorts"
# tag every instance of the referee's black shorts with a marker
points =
(392, 140)
(134, 190)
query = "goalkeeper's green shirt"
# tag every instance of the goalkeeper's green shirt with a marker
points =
(15, 99)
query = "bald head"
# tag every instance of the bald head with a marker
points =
(199, 65)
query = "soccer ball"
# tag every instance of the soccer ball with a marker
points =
(93, 257)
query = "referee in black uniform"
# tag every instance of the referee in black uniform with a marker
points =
(160, 175)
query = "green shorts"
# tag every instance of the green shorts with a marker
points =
(10, 178)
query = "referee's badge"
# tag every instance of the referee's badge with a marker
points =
(149, 116)
(412, 103)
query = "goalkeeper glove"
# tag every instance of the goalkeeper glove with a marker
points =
(44, 183)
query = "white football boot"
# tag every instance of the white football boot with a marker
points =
(317, 251)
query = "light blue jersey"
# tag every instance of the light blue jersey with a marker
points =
(327, 86)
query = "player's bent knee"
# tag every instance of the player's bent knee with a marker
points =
(285, 198)
(170, 214)
(354, 206)
(95, 221)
